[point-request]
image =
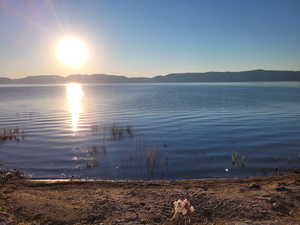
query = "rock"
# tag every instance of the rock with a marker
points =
(254, 187)
(156, 219)
(282, 207)
(282, 189)
(242, 190)
(5, 218)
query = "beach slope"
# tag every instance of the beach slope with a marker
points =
(261, 200)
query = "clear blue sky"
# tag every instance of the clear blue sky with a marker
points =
(151, 37)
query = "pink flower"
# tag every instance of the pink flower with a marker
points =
(183, 206)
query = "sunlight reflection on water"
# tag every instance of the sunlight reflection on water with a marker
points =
(85, 130)
(75, 95)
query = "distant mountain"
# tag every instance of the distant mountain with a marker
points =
(243, 76)
(42, 79)
(97, 78)
(4, 80)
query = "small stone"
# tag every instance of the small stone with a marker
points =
(282, 189)
(254, 187)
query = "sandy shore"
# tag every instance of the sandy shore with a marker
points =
(260, 201)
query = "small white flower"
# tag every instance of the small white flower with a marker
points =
(192, 209)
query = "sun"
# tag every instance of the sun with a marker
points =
(71, 51)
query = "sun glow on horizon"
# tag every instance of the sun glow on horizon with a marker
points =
(71, 51)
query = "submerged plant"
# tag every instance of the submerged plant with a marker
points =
(237, 159)
(129, 131)
(91, 163)
(113, 132)
(11, 134)
(118, 132)
(152, 159)
(92, 150)
(91, 156)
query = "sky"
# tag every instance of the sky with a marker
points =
(150, 37)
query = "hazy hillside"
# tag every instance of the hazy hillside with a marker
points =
(97, 78)
(4, 80)
(43, 79)
(243, 76)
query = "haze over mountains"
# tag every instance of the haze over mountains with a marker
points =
(243, 76)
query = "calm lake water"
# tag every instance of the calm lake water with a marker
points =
(151, 131)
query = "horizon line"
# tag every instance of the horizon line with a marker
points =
(149, 77)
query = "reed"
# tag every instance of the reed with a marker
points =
(11, 134)
(94, 155)
(152, 159)
(238, 160)
(118, 132)
(112, 132)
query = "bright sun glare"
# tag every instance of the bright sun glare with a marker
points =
(71, 52)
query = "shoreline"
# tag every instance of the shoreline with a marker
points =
(162, 181)
(219, 201)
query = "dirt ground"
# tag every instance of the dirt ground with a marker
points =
(259, 201)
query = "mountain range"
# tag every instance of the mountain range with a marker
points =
(242, 76)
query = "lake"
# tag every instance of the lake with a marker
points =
(151, 131)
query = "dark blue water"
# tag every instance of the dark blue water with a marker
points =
(171, 131)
